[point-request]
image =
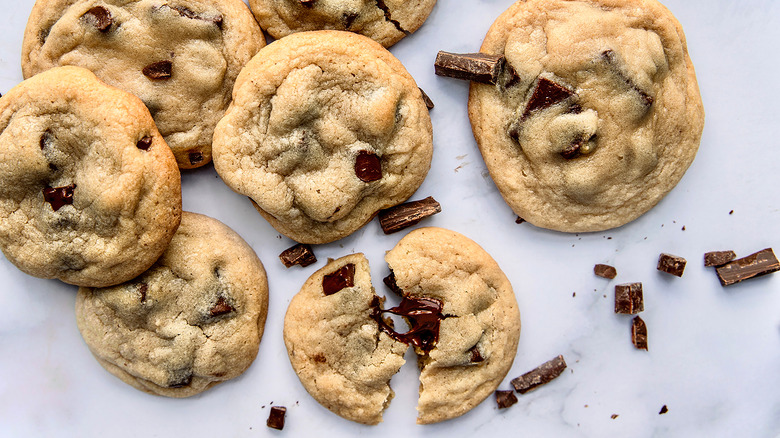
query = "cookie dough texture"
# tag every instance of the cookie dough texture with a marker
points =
(339, 353)
(304, 110)
(202, 44)
(64, 130)
(195, 319)
(635, 110)
(384, 21)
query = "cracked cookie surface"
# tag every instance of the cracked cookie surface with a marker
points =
(193, 320)
(384, 21)
(601, 118)
(326, 128)
(179, 57)
(92, 194)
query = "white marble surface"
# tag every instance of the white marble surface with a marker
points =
(714, 352)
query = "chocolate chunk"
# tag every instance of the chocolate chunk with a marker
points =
(368, 166)
(142, 289)
(189, 13)
(612, 59)
(300, 254)
(613, 416)
(405, 215)
(144, 143)
(505, 399)
(671, 264)
(628, 298)
(476, 356)
(426, 99)
(542, 374)
(308, 3)
(574, 108)
(718, 258)
(546, 94)
(221, 307)
(605, 271)
(639, 333)
(477, 67)
(519, 220)
(423, 315)
(276, 417)
(195, 157)
(338, 279)
(158, 70)
(100, 17)
(389, 281)
(663, 410)
(180, 378)
(755, 265)
(59, 196)
(348, 18)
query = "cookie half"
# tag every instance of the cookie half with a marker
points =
(180, 57)
(326, 128)
(92, 194)
(384, 21)
(598, 114)
(193, 320)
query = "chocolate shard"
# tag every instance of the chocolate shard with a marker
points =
(368, 166)
(605, 271)
(611, 58)
(100, 17)
(671, 264)
(389, 281)
(718, 258)
(423, 315)
(158, 70)
(476, 356)
(405, 215)
(426, 99)
(142, 289)
(542, 374)
(221, 307)
(505, 399)
(629, 299)
(519, 220)
(300, 254)
(663, 410)
(189, 13)
(639, 333)
(59, 196)
(477, 67)
(276, 417)
(195, 157)
(144, 143)
(546, 94)
(755, 265)
(339, 279)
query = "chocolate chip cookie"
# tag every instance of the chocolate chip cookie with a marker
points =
(193, 320)
(326, 128)
(180, 57)
(91, 192)
(597, 115)
(384, 21)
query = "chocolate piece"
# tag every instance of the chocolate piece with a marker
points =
(542, 374)
(476, 356)
(755, 265)
(348, 18)
(612, 59)
(613, 416)
(663, 410)
(59, 196)
(100, 17)
(300, 254)
(392, 285)
(477, 67)
(519, 220)
(338, 279)
(423, 316)
(605, 271)
(639, 333)
(195, 157)
(505, 399)
(188, 13)
(405, 215)
(546, 94)
(718, 258)
(386, 10)
(368, 166)
(426, 99)
(180, 378)
(671, 264)
(158, 70)
(142, 289)
(308, 3)
(144, 143)
(46, 139)
(221, 308)
(276, 417)
(628, 298)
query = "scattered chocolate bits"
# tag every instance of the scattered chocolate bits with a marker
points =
(755, 265)
(423, 316)
(639, 333)
(671, 264)
(663, 410)
(546, 94)
(195, 157)
(100, 17)
(59, 196)
(477, 67)
(158, 70)
(426, 99)
(368, 166)
(505, 399)
(221, 307)
(300, 254)
(276, 417)
(542, 374)
(144, 143)
(405, 215)
(718, 258)
(339, 279)
(628, 298)
(605, 271)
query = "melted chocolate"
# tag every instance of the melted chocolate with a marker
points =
(59, 196)
(423, 315)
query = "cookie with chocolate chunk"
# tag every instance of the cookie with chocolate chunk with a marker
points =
(597, 115)
(193, 320)
(326, 128)
(384, 21)
(180, 57)
(91, 192)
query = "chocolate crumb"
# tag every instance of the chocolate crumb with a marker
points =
(663, 410)
(158, 70)
(542, 374)
(300, 254)
(755, 265)
(639, 333)
(426, 99)
(505, 399)
(671, 264)
(407, 214)
(477, 67)
(613, 416)
(339, 279)
(59, 196)
(718, 258)
(628, 298)
(368, 166)
(519, 220)
(276, 417)
(731, 212)
(144, 143)
(605, 271)
(100, 17)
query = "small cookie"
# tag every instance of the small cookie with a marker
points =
(180, 57)
(384, 21)
(326, 128)
(193, 320)
(598, 115)
(92, 194)
(337, 349)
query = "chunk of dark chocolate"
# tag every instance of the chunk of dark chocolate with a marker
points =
(426, 99)
(605, 271)
(405, 215)
(611, 58)
(663, 410)
(542, 374)
(639, 333)
(423, 315)
(368, 166)
(718, 258)
(671, 264)
(142, 289)
(195, 157)
(519, 220)
(158, 70)
(308, 3)
(189, 13)
(339, 279)
(144, 143)
(348, 18)
(300, 254)
(477, 67)
(100, 17)
(475, 355)
(546, 94)
(59, 196)
(221, 307)
(276, 417)
(755, 265)
(505, 399)
(389, 281)
(628, 298)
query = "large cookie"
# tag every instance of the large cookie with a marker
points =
(180, 57)
(195, 319)
(91, 192)
(601, 117)
(326, 128)
(384, 21)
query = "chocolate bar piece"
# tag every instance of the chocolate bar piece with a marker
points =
(426, 99)
(628, 298)
(671, 264)
(341, 278)
(544, 373)
(276, 417)
(505, 399)
(605, 271)
(718, 258)
(300, 254)
(405, 215)
(477, 67)
(547, 93)
(639, 333)
(755, 265)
